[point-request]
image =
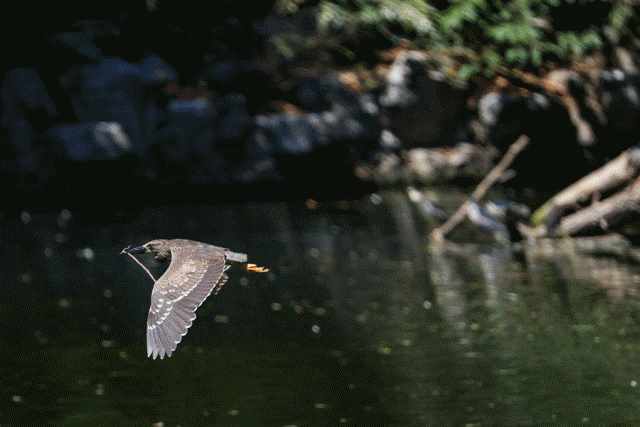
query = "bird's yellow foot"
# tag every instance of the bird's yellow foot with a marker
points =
(255, 269)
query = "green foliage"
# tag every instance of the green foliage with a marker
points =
(621, 21)
(485, 35)
(513, 34)
(377, 15)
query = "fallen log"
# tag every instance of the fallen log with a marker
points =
(612, 175)
(481, 190)
(602, 214)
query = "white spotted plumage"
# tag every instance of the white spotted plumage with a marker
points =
(196, 270)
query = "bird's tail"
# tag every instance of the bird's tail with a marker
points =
(235, 256)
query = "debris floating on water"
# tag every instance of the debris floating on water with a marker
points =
(86, 253)
(99, 390)
(64, 303)
(25, 217)
(320, 311)
(375, 199)
(63, 217)
(276, 306)
(107, 343)
(221, 318)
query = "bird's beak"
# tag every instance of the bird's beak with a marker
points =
(134, 250)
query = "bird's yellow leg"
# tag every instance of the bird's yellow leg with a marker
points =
(256, 269)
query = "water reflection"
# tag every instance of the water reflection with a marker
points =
(361, 322)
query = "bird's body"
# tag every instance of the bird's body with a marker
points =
(197, 270)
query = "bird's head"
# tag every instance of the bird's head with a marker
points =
(159, 248)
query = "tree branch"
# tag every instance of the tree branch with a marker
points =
(481, 190)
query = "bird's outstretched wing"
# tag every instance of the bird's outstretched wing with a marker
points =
(196, 270)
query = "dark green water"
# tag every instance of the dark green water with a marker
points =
(361, 323)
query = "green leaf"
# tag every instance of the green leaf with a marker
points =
(467, 71)
(517, 55)
(536, 56)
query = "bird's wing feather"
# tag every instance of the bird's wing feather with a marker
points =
(196, 270)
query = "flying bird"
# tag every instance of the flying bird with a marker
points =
(196, 271)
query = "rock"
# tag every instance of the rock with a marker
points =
(447, 164)
(301, 134)
(305, 146)
(388, 141)
(115, 90)
(626, 60)
(27, 109)
(258, 165)
(490, 106)
(88, 142)
(502, 115)
(74, 47)
(292, 135)
(500, 218)
(226, 75)
(554, 138)
(428, 209)
(503, 210)
(480, 217)
(422, 109)
(620, 98)
(407, 68)
(240, 77)
(319, 94)
(233, 121)
(429, 165)
(110, 90)
(156, 72)
(187, 141)
(582, 115)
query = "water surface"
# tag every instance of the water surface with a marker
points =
(360, 322)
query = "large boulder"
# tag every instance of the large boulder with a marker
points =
(116, 90)
(27, 110)
(353, 122)
(307, 145)
(422, 108)
(88, 142)
(554, 157)
(291, 134)
(233, 122)
(322, 93)
(183, 148)
(620, 98)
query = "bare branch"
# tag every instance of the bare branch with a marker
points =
(481, 190)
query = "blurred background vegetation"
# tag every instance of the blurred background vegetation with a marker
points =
(478, 36)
